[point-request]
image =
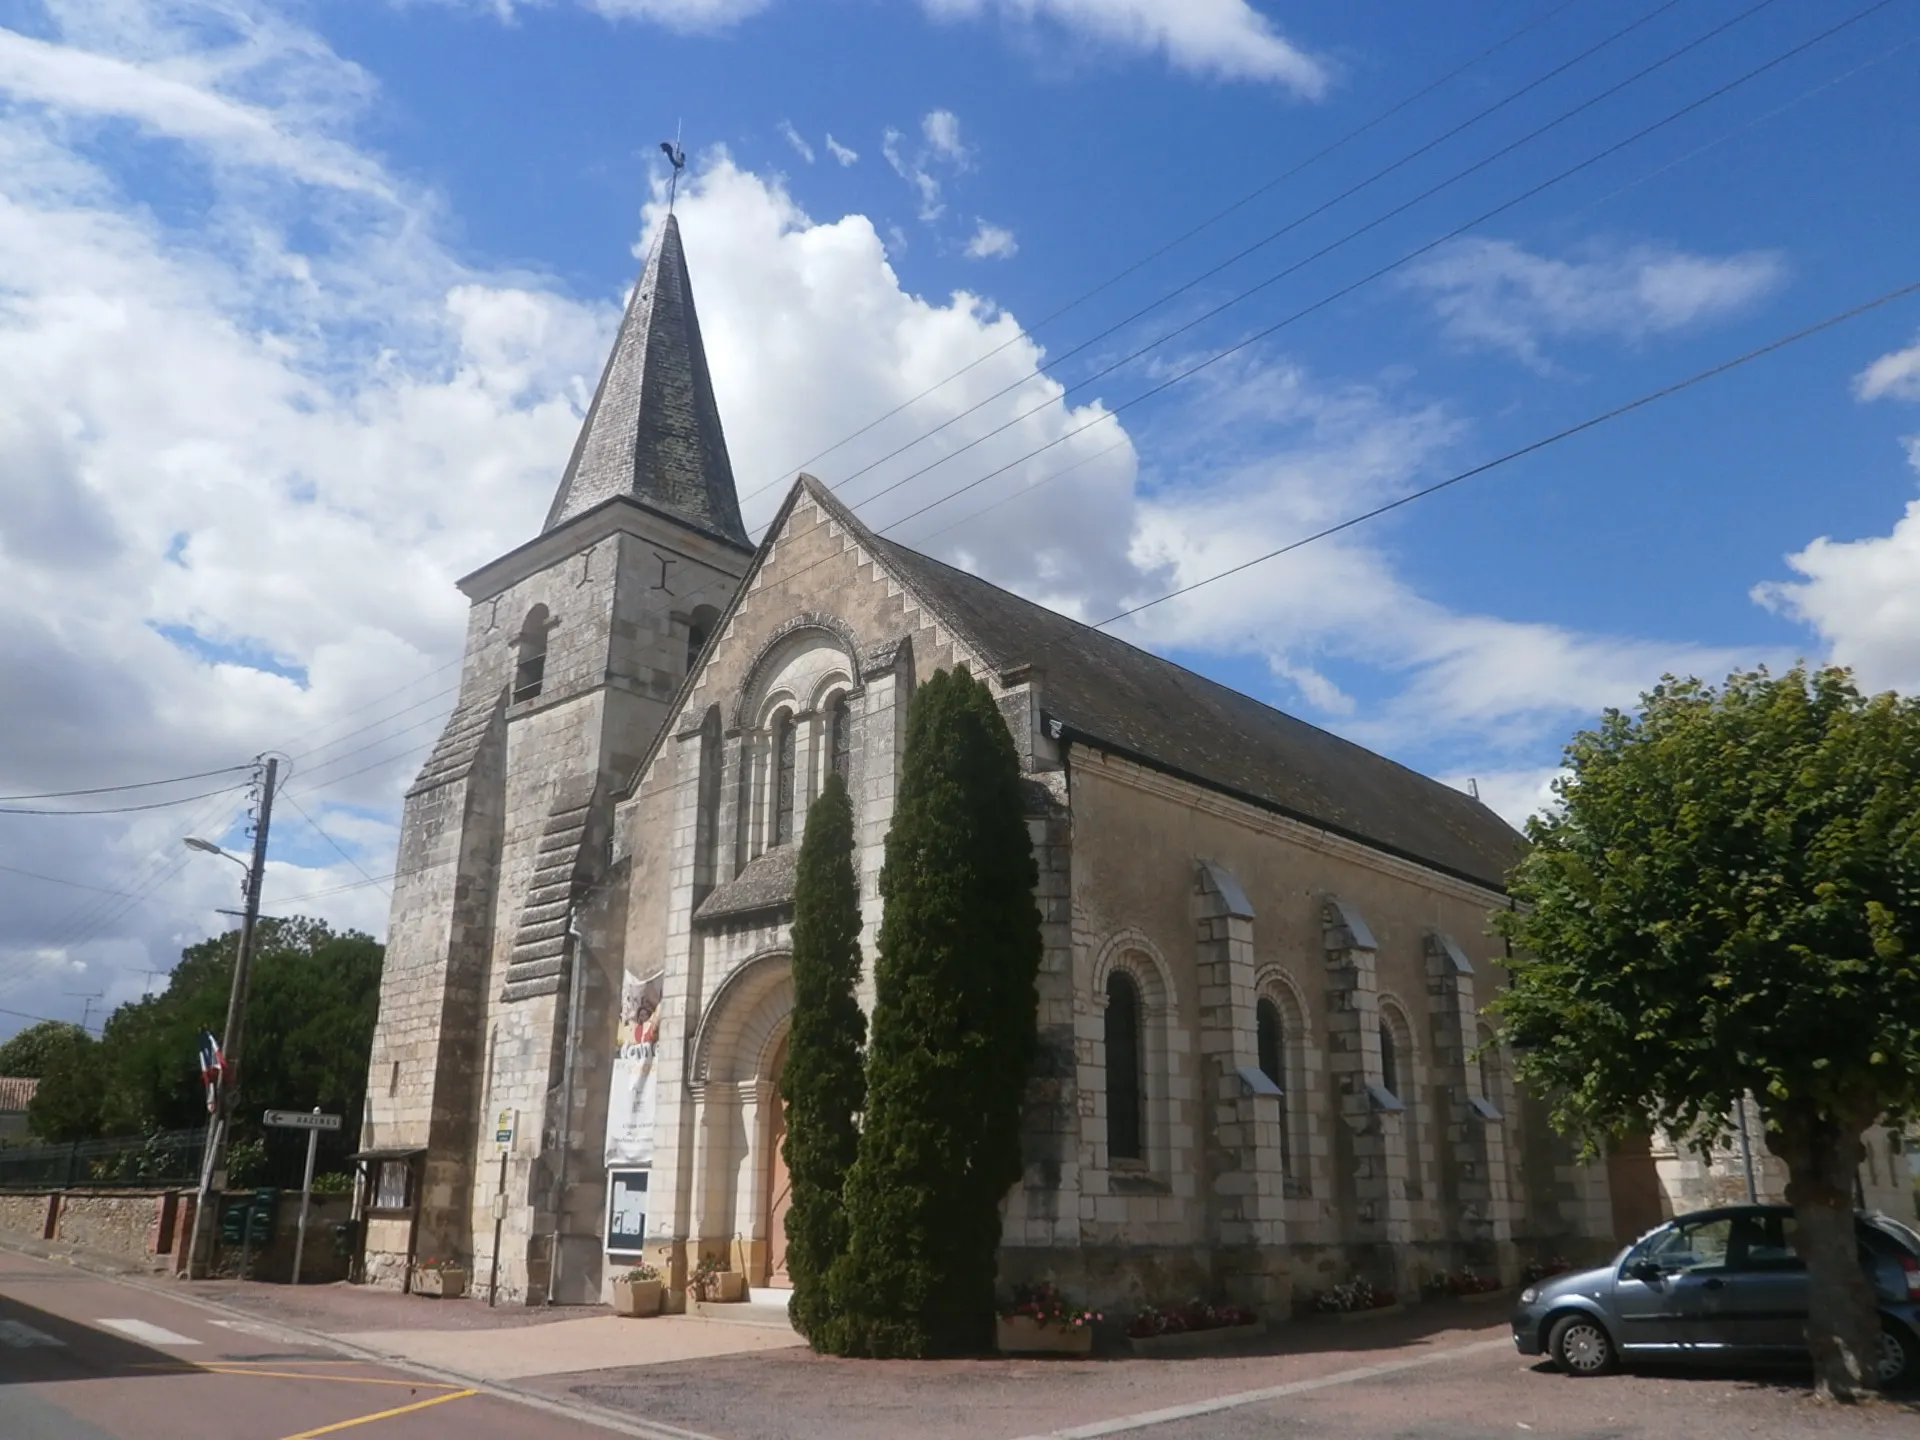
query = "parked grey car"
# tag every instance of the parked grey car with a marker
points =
(1717, 1284)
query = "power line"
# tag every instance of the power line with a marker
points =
(136, 785)
(1615, 413)
(56, 880)
(42, 1019)
(1367, 279)
(1206, 362)
(1183, 237)
(130, 809)
(314, 825)
(1427, 194)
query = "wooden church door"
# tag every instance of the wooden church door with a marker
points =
(779, 1183)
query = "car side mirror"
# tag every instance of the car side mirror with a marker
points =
(1647, 1270)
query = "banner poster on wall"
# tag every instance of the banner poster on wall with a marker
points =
(630, 1105)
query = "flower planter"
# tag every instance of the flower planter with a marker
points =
(1355, 1317)
(1023, 1335)
(728, 1287)
(636, 1298)
(442, 1284)
(1193, 1342)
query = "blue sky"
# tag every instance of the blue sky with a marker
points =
(299, 306)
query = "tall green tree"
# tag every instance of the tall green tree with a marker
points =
(823, 1084)
(1727, 900)
(72, 1091)
(34, 1048)
(952, 1038)
(312, 1005)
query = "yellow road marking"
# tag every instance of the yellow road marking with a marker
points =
(382, 1415)
(330, 1379)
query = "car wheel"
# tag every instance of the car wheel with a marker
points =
(1899, 1359)
(1580, 1345)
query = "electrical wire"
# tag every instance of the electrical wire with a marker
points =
(135, 785)
(1180, 239)
(339, 849)
(130, 809)
(1459, 175)
(1664, 392)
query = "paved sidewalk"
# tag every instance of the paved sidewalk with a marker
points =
(603, 1342)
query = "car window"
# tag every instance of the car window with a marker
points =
(1765, 1242)
(1698, 1245)
(1886, 1225)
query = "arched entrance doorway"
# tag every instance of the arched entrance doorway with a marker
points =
(779, 1182)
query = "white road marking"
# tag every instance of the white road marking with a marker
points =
(147, 1334)
(1148, 1418)
(262, 1330)
(22, 1336)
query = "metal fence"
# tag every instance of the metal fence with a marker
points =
(169, 1158)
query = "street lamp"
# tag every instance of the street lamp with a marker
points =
(214, 1165)
(194, 842)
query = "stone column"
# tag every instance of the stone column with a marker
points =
(1246, 1185)
(880, 735)
(670, 1180)
(1370, 1149)
(1473, 1161)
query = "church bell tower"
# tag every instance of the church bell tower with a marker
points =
(480, 1116)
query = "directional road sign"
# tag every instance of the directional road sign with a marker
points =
(301, 1120)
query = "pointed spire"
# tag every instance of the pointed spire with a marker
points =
(653, 430)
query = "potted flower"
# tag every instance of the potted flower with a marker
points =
(1041, 1321)
(637, 1292)
(710, 1282)
(1196, 1325)
(446, 1279)
(1355, 1300)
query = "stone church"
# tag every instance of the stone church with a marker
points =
(1261, 1059)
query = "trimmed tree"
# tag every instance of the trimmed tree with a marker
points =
(823, 1084)
(952, 1038)
(1727, 901)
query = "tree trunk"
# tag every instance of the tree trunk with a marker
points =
(1822, 1154)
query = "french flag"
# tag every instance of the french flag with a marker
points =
(213, 1070)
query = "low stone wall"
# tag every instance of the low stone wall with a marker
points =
(150, 1229)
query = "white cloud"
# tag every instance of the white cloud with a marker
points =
(1514, 795)
(992, 242)
(942, 130)
(1496, 293)
(686, 15)
(797, 141)
(942, 146)
(846, 155)
(1862, 597)
(1893, 376)
(1222, 39)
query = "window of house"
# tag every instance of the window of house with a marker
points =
(530, 671)
(839, 737)
(1389, 1061)
(698, 629)
(1124, 1107)
(392, 1185)
(784, 763)
(1271, 1039)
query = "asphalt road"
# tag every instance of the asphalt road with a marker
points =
(86, 1358)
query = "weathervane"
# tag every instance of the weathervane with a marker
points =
(677, 158)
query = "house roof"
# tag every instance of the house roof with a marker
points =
(653, 430)
(1118, 697)
(16, 1092)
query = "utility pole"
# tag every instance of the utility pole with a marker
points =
(213, 1170)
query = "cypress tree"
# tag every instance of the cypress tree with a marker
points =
(822, 1083)
(952, 1038)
